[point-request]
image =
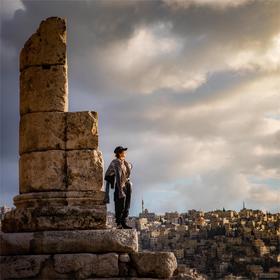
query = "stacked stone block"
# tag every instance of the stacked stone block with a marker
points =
(58, 228)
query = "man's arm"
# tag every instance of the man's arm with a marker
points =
(110, 174)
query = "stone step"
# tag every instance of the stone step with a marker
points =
(55, 218)
(147, 265)
(76, 241)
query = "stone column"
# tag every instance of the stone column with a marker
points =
(60, 164)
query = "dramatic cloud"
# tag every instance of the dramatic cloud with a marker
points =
(215, 4)
(191, 87)
(8, 8)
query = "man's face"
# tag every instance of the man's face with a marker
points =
(122, 154)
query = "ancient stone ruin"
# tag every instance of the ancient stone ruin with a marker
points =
(58, 228)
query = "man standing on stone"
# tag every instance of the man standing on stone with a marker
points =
(117, 175)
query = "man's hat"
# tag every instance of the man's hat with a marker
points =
(119, 149)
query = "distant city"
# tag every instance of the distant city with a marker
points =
(219, 244)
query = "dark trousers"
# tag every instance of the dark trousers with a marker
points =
(122, 205)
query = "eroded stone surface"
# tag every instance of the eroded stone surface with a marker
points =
(80, 264)
(72, 241)
(47, 45)
(42, 171)
(59, 266)
(107, 265)
(15, 243)
(58, 130)
(19, 267)
(84, 169)
(85, 265)
(82, 130)
(42, 131)
(154, 264)
(54, 218)
(44, 89)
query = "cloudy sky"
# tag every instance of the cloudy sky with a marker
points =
(190, 87)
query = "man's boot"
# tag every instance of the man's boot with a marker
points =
(119, 226)
(124, 225)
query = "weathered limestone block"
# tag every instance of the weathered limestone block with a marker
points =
(42, 131)
(82, 130)
(85, 265)
(46, 46)
(20, 267)
(42, 171)
(124, 257)
(15, 243)
(44, 89)
(60, 198)
(84, 170)
(55, 218)
(154, 264)
(107, 265)
(72, 241)
(49, 273)
(80, 264)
